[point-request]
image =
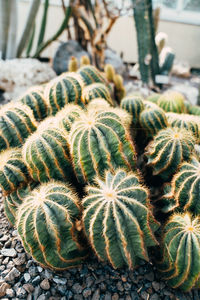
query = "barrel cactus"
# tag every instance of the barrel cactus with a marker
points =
(194, 110)
(118, 220)
(13, 171)
(66, 117)
(152, 120)
(185, 185)
(134, 105)
(98, 103)
(34, 98)
(172, 101)
(153, 98)
(99, 141)
(96, 90)
(169, 148)
(180, 265)
(109, 72)
(90, 74)
(187, 121)
(46, 153)
(167, 202)
(16, 124)
(46, 222)
(64, 89)
(15, 199)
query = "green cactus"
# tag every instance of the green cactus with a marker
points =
(152, 120)
(194, 110)
(46, 223)
(172, 102)
(64, 89)
(34, 98)
(46, 153)
(98, 103)
(14, 200)
(90, 74)
(169, 148)
(99, 141)
(118, 220)
(16, 124)
(189, 122)
(167, 202)
(180, 265)
(84, 61)
(119, 89)
(96, 90)
(150, 104)
(67, 115)
(185, 186)
(109, 72)
(153, 98)
(73, 64)
(13, 171)
(134, 105)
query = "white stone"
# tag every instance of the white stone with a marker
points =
(8, 252)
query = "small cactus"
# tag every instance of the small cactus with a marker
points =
(66, 88)
(84, 61)
(67, 115)
(99, 141)
(46, 223)
(109, 72)
(73, 64)
(194, 110)
(16, 124)
(98, 103)
(180, 265)
(169, 148)
(185, 186)
(134, 105)
(153, 120)
(13, 171)
(120, 91)
(96, 90)
(153, 98)
(90, 74)
(118, 220)
(34, 98)
(46, 154)
(172, 102)
(14, 200)
(187, 121)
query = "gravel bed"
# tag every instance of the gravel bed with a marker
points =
(22, 278)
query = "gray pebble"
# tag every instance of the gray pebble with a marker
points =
(77, 288)
(8, 252)
(96, 295)
(42, 297)
(14, 273)
(27, 277)
(21, 292)
(10, 293)
(87, 292)
(32, 271)
(28, 287)
(45, 284)
(60, 280)
(36, 280)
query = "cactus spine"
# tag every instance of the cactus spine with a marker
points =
(99, 141)
(46, 223)
(118, 208)
(169, 148)
(172, 102)
(180, 265)
(134, 105)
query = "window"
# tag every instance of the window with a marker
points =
(185, 11)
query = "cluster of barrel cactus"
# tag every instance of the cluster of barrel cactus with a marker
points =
(77, 168)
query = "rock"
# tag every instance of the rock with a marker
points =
(111, 57)
(87, 292)
(120, 286)
(144, 295)
(89, 281)
(17, 75)
(14, 273)
(156, 285)
(77, 288)
(42, 297)
(8, 252)
(48, 274)
(45, 284)
(20, 260)
(3, 288)
(115, 296)
(21, 292)
(36, 280)
(32, 271)
(40, 269)
(181, 69)
(96, 295)
(64, 53)
(155, 297)
(107, 296)
(28, 287)
(10, 293)
(60, 280)
(27, 277)
(149, 276)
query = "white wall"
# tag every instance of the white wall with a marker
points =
(183, 38)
